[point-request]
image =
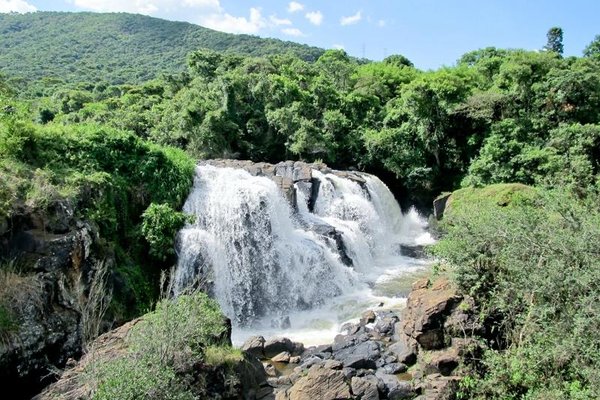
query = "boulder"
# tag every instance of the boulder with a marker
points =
(365, 389)
(274, 346)
(320, 384)
(394, 388)
(439, 205)
(283, 357)
(255, 346)
(426, 311)
(362, 355)
(405, 350)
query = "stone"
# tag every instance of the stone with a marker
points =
(274, 346)
(283, 357)
(405, 350)
(439, 205)
(444, 361)
(362, 355)
(321, 384)
(394, 388)
(270, 370)
(365, 389)
(426, 310)
(255, 345)
(333, 364)
(412, 251)
(368, 317)
(295, 360)
(394, 368)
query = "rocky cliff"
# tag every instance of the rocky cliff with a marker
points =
(52, 265)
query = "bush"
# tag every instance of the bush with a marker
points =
(533, 269)
(159, 227)
(163, 349)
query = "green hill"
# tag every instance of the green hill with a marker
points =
(116, 47)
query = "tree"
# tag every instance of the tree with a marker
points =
(593, 49)
(555, 38)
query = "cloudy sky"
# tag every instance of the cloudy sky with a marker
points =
(431, 33)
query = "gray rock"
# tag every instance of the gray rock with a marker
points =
(255, 346)
(364, 388)
(405, 351)
(362, 355)
(394, 388)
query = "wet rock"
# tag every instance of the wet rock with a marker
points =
(255, 346)
(439, 205)
(412, 251)
(364, 389)
(368, 317)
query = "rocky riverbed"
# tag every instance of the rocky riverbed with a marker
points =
(415, 353)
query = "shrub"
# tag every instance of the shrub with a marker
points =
(163, 349)
(533, 268)
(159, 227)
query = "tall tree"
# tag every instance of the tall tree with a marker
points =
(555, 38)
(592, 50)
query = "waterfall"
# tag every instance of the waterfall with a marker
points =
(262, 256)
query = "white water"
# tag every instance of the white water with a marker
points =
(267, 261)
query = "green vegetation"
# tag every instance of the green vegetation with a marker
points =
(112, 127)
(163, 349)
(107, 176)
(50, 49)
(498, 116)
(159, 227)
(533, 268)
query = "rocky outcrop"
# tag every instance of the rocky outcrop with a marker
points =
(47, 294)
(77, 382)
(414, 354)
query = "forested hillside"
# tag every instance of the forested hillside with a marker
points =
(87, 119)
(497, 116)
(114, 48)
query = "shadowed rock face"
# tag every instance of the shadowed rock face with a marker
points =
(56, 258)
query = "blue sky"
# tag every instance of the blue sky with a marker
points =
(430, 33)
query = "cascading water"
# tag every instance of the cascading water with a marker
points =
(266, 258)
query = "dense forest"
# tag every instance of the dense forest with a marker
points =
(123, 147)
(55, 48)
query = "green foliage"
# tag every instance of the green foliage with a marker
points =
(113, 48)
(555, 38)
(180, 332)
(160, 223)
(592, 50)
(533, 269)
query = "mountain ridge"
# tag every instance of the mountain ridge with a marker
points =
(115, 47)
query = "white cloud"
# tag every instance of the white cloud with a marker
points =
(292, 32)
(381, 23)
(228, 23)
(352, 19)
(145, 6)
(315, 17)
(294, 6)
(339, 47)
(279, 21)
(18, 6)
